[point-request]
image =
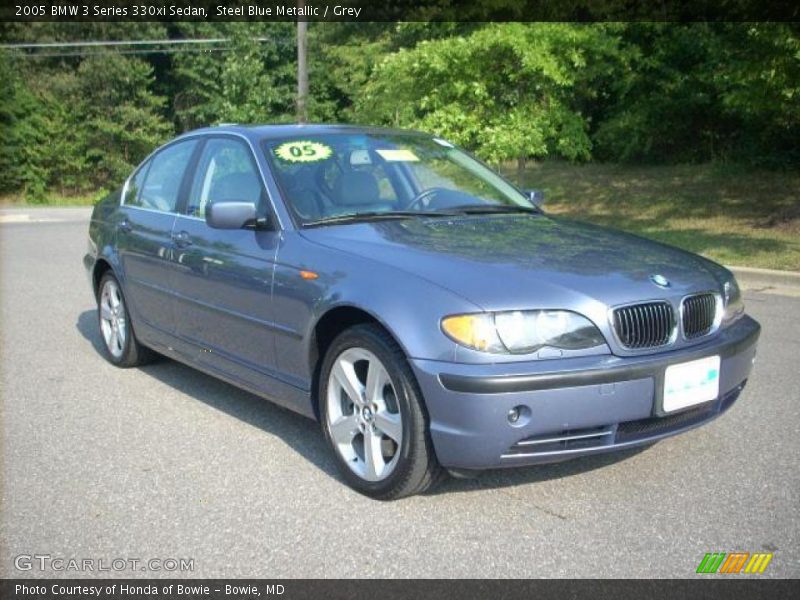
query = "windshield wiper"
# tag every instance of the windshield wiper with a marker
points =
(451, 211)
(375, 216)
(485, 209)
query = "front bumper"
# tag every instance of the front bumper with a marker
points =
(571, 407)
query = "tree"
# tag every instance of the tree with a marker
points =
(760, 88)
(41, 144)
(123, 119)
(14, 105)
(508, 90)
(706, 91)
(345, 55)
(252, 80)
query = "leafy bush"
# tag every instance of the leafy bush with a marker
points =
(510, 91)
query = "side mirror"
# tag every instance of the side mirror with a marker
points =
(535, 197)
(231, 215)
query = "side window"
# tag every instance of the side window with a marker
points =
(156, 186)
(225, 172)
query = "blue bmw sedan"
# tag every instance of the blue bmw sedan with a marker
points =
(429, 314)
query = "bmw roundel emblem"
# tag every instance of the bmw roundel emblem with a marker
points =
(660, 280)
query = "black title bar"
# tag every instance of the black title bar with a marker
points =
(401, 10)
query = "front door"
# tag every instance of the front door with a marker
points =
(223, 278)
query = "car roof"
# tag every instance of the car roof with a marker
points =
(258, 132)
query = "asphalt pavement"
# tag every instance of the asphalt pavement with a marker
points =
(166, 463)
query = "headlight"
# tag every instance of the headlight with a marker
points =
(523, 332)
(733, 306)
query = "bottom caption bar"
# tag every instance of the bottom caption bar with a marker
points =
(388, 589)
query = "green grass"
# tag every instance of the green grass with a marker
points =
(51, 199)
(734, 216)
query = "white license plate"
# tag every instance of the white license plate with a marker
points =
(691, 383)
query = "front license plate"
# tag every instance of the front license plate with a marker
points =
(691, 383)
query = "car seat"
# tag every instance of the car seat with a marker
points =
(357, 189)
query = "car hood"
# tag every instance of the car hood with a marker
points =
(526, 261)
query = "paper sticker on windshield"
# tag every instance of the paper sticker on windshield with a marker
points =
(397, 155)
(303, 151)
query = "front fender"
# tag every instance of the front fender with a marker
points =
(409, 307)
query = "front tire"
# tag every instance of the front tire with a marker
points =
(373, 416)
(122, 349)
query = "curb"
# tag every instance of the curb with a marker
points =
(44, 214)
(755, 279)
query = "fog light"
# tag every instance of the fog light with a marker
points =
(519, 416)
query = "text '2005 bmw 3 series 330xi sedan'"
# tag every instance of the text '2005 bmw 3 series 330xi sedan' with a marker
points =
(429, 314)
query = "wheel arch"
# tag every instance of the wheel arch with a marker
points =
(329, 325)
(101, 267)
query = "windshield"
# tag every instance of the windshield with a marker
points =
(336, 176)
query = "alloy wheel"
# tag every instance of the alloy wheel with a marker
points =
(363, 416)
(113, 322)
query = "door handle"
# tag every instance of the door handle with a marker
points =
(181, 239)
(125, 226)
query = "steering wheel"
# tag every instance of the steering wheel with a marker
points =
(423, 195)
(308, 204)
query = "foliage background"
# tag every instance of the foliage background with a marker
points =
(644, 93)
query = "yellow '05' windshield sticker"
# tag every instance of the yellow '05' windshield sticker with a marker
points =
(303, 151)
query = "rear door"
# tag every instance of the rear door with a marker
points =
(223, 278)
(144, 237)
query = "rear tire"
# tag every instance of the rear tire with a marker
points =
(380, 438)
(122, 349)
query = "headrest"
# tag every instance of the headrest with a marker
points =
(356, 188)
